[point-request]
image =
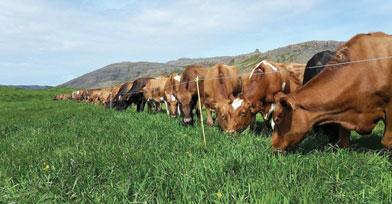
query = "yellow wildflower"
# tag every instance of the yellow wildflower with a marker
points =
(46, 166)
(219, 194)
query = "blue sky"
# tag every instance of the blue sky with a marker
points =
(49, 42)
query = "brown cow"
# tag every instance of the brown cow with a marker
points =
(107, 97)
(187, 93)
(221, 86)
(154, 92)
(78, 95)
(171, 89)
(265, 81)
(352, 93)
(62, 97)
(233, 116)
(97, 95)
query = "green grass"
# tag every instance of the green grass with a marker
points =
(55, 152)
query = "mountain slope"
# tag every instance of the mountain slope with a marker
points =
(126, 71)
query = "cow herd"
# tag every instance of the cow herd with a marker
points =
(336, 92)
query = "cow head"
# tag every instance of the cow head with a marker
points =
(234, 115)
(172, 104)
(187, 102)
(170, 92)
(119, 102)
(289, 123)
(264, 82)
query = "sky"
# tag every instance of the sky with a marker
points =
(48, 42)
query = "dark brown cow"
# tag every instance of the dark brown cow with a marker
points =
(265, 81)
(187, 94)
(134, 95)
(171, 89)
(355, 95)
(118, 100)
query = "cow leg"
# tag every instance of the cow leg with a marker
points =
(331, 131)
(178, 110)
(140, 105)
(158, 107)
(344, 137)
(210, 121)
(149, 106)
(387, 138)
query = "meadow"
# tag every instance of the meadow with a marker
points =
(65, 151)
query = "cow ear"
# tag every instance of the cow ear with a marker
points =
(287, 102)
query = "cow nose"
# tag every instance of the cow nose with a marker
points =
(187, 120)
(230, 131)
(173, 116)
(277, 151)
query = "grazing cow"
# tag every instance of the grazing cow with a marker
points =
(221, 85)
(265, 81)
(77, 95)
(118, 101)
(232, 116)
(98, 95)
(154, 92)
(62, 97)
(111, 95)
(187, 93)
(171, 89)
(353, 93)
(135, 95)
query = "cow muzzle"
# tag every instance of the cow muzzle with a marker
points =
(187, 120)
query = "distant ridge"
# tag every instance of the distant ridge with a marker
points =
(30, 87)
(126, 71)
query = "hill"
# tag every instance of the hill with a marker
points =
(31, 87)
(125, 71)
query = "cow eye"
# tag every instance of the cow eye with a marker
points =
(242, 113)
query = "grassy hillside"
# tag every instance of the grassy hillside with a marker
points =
(68, 151)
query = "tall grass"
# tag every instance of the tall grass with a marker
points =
(73, 152)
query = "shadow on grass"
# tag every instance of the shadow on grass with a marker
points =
(320, 142)
(261, 128)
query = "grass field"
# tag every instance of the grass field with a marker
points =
(66, 151)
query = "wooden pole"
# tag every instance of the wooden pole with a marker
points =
(201, 113)
(110, 102)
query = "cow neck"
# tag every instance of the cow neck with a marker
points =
(323, 96)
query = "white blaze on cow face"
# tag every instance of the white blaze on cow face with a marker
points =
(237, 103)
(119, 97)
(177, 78)
(162, 99)
(172, 98)
(272, 108)
(283, 86)
(272, 124)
